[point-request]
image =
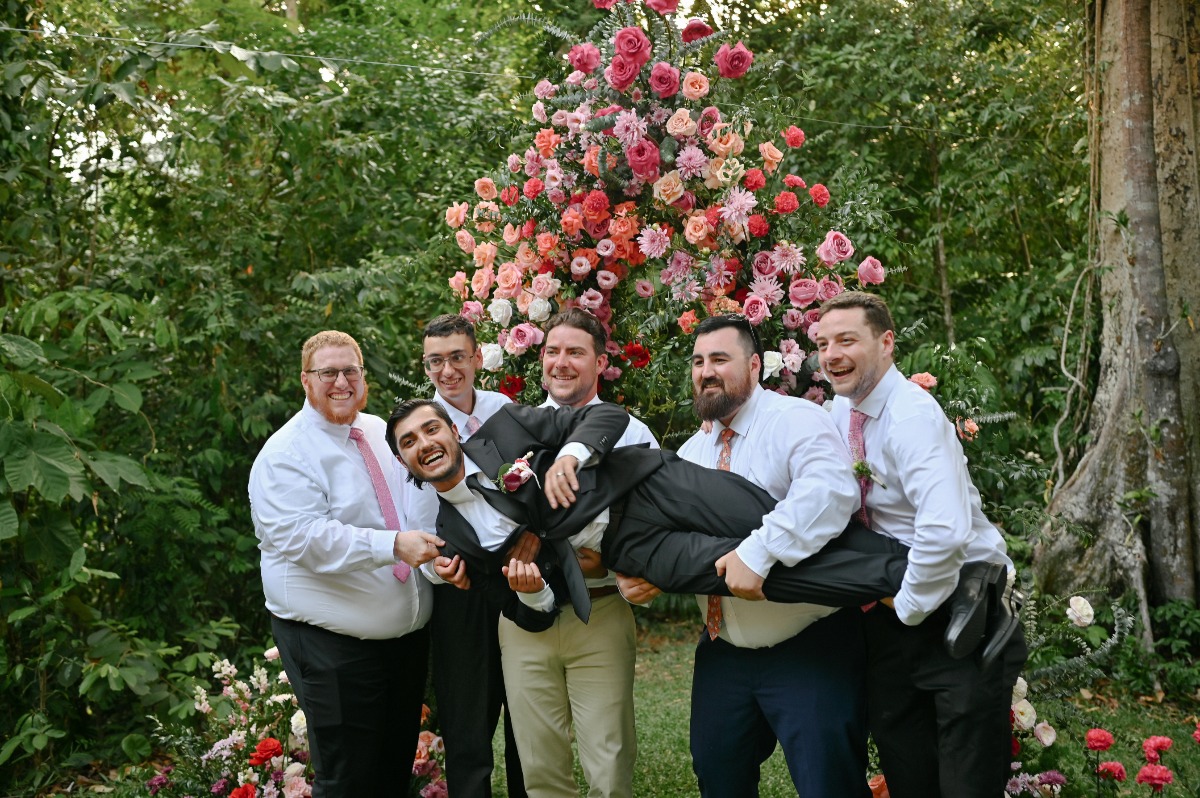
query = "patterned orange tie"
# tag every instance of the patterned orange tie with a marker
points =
(713, 621)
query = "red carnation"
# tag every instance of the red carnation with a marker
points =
(1154, 746)
(786, 202)
(793, 136)
(533, 187)
(758, 225)
(1111, 770)
(529, 228)
(791, 181)
(1098, 739)
(637, 355)
(820, 195)
(265, 751)
(754, 179)
(510, 195)
(695, 29)
(712, 215)
(1157, 776)
(512, 385)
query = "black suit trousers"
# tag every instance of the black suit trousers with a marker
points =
(683, 517)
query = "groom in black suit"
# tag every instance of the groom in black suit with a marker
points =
(657, 502)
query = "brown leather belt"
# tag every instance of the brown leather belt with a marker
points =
(601, 592)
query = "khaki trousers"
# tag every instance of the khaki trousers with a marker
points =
(574, 673)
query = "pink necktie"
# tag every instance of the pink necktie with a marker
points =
(382, 494)
(858, 450)
(713, 620)
(473, 425)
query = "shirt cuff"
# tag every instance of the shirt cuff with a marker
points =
(580, 451)
(543, 600)
(431, 575)
(907, 610)
(756, 557)
(383, 547)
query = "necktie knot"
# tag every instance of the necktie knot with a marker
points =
(473, 425)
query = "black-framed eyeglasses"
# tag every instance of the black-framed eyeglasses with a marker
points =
(434, 363)
(351, 373)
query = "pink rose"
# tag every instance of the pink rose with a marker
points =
(485, 187)
(924, 379)
(812, 331)
(456, 214)
(663, 7)
(466, 241)
(815, 394)
(584, 57)
(709, 118)
(544, 89)
(622, 72)
(835, 248)
(695, 29)
(610, 374)
(803, 291)
(763, 264)
(643, 159)
(644, 288)
(544, 286)
(664, 80)
(508, 281)
(828, 288)
(521, 337)
(472, 311)
(632, 43)
(756, 309)
(793, 319)
(458, 284)
(732, 62)
(591, 299)
(482, 282)
(870, 271)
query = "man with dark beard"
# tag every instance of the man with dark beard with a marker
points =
(347, 612)
(791, 673)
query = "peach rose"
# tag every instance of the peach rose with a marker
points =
(771, 156)
(511, 235)
(623, 227)
(465, 241)
(725, 143)
(669, 187)
(508, 281)
(694, 86)
(456, 214)
(681, 125)
(485, 216)
(485, 187)
(482, 282)
(546, 243)
(546, 141)
(697, 230)
(924, 379)
(484, 255)
(458, 284)
(527, 257)
(571, 221)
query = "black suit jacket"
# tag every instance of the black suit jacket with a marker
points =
(513, 432)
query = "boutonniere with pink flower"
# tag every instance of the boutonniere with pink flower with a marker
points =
(862, 470)
(515, 474)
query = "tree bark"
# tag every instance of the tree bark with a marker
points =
(1135, 488)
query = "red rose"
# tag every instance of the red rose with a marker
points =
(793, 136)
(644, 159)
(786, 202)
(732, 62)
(754, 179)
(637, 355)
(512, 480)
(695, 29)
(758, 225)
(510, 195)
(1098, 739)
(265, 751)
(632, 43)
(245, 791)
(621, 73)
(533, 187)
(664, 79)
(820, 195)
(1016, 747)
(512, 385)
(528, 228)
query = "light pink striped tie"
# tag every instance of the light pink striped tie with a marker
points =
(473, 425)
(382, 494)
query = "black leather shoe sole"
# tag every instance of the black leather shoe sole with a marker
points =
(969, 606)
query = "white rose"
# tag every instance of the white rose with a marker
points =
(293, 770)
(1080, 612)
(501, 311)
(493, 357)
(772, 364)
(1026, 715)
(299, 724)
(1020, 690)
(271, 654)
(539, 309)
(1045, 733)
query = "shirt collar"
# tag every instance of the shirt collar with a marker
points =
(743, 419)
(337, 431)
(595, 400)
(877, 399)
(457, 416)
(461, 493)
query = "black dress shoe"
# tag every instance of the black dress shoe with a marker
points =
(969, 610)
(1003, 620)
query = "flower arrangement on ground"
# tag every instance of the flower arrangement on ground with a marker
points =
(645, 196)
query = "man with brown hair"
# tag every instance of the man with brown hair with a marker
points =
(347, 613)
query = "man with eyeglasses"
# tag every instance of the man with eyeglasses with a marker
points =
(467, 679)
(347, 614)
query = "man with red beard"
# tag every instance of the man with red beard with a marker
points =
(346, 610)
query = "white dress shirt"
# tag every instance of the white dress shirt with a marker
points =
(590, 536)
(486, 405)
(929, 502)
(790, 448)
(327, 555)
